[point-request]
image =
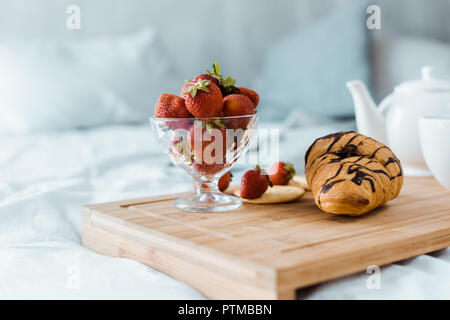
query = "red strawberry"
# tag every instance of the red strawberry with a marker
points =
(254, 184)
(251, 94)
(281, 172)
(238, 105)
(203, 99)
(224, 181)
(171, 106)
(207, 169)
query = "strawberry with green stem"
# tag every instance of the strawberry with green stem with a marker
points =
(226, 84)
(203, 99)
(203, 76)
(281, 172)
(254, 183)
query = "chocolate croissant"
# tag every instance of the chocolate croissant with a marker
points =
(352, 174)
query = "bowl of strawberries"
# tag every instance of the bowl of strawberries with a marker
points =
(205, 131)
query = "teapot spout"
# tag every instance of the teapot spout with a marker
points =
(369, 120)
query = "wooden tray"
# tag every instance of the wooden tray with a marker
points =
(268, 251)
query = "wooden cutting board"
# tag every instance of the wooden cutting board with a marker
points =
(269, 251)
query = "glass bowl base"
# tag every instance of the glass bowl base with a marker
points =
(210, 202)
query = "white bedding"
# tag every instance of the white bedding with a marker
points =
(45, 178)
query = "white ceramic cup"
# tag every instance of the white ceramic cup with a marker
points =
(434, 134)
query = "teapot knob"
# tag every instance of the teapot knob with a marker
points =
(428, 73)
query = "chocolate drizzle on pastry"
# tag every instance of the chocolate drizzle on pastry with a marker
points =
(397, 162)
(375, 152)
(360, 159)
(351, 150)
(390, 160)
(335, 136)
(328, 186)
(360, 175)
(348, 150)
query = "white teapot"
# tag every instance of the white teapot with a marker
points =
(395, 121)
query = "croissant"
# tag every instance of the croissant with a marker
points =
(352, 174)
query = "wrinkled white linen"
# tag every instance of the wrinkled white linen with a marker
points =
(423, 277)
(45, 178)
(44, 181)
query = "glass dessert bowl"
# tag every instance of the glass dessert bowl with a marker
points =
(206, 149)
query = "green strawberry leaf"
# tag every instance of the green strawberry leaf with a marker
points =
(199, 124)
(218, 123)
(189, 158)
(216, 67)
(228, 82)
(209, 126)
(179, 146)
(231, 90)
(270, 182)
(192, 91)
(225, 83)
(263, 172)
(289, 167)
(198, 85)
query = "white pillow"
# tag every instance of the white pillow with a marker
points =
(81, 83)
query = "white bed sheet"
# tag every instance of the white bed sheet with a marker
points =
(45, 178)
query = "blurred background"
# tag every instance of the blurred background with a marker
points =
(296, 53)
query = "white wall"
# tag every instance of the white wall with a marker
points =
(196, 32)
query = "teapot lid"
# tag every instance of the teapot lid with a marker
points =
(429, 83)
